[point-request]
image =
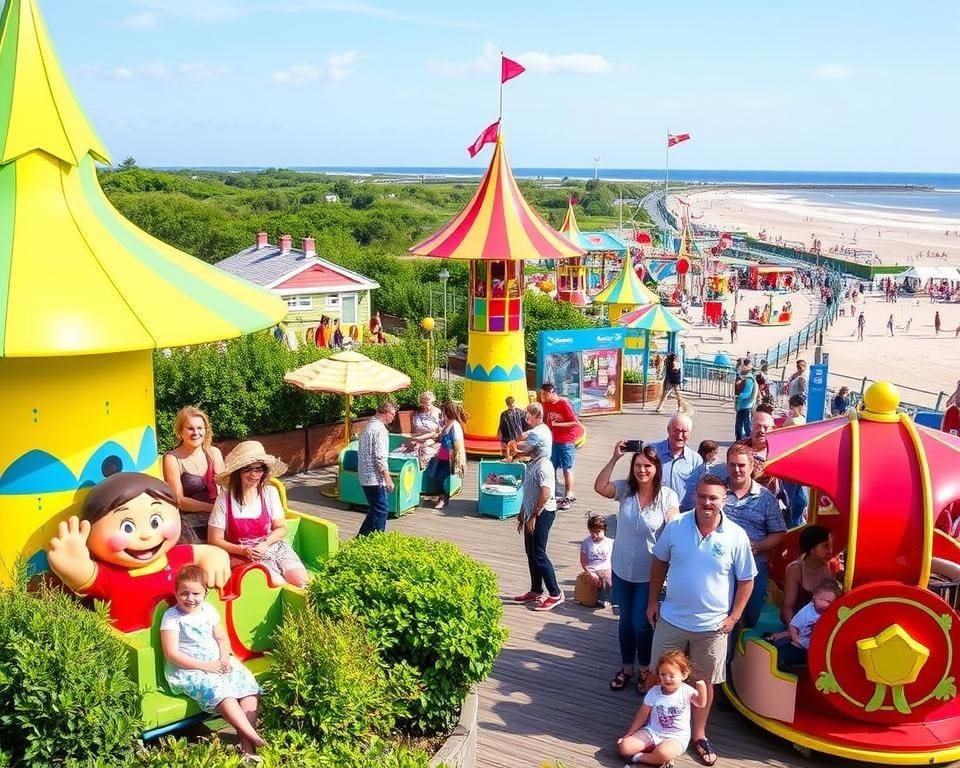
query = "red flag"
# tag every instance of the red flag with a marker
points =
(488, 136)
(509, 69)
(677, 138)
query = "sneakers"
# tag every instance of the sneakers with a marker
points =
(528, 597)
(549, 603)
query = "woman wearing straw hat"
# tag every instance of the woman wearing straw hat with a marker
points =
(247, 521)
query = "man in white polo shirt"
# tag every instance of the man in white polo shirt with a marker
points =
(711, 578)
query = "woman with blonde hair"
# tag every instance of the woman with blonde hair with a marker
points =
(426, 425)
(190, 469)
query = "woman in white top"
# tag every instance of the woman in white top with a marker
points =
(247, 520)
(646, 506)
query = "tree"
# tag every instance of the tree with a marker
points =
(128, 164)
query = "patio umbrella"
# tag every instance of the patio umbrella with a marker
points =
(652, 318)
(348, 373)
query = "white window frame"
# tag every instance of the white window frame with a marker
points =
(333, 301)
(299, 303)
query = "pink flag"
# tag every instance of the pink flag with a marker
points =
(509, 69)
(676, 138)
(488, 136)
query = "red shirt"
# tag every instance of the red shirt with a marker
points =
(561, 411)
(133, 598)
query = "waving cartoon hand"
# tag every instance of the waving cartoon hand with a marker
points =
(68, 554)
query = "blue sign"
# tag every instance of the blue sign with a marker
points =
(585, 366)
(817, 392)
(578, 340)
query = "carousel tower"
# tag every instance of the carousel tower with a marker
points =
(85, 297)
(496, 232)
(572, 273)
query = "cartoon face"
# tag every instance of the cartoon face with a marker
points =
(136, 533)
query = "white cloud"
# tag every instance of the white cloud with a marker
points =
(834, 71)
(338, 66)
(544, 63)
(159, 71)
(141, 21)
(375, 12)
(196, 10)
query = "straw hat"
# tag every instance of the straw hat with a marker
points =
(243, 455)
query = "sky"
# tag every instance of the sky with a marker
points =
(843, 85)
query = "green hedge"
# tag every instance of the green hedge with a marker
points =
(240, 385)
(425, 604)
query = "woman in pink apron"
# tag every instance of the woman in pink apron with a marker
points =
(248, 520)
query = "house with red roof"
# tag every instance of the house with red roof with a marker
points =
(312, 287)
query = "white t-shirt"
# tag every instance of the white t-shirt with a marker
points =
(218, 516)
(670, 713)
(597, 553)
(805, 620)
(194, 631)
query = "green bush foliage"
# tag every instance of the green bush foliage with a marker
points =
(424, 603)
(239, 383)
(327, 681)
(285, 749)
(64, 688)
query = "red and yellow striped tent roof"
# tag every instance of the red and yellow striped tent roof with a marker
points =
(497, 224)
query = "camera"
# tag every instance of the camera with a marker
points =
(632, 446)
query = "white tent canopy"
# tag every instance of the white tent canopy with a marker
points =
(923, 274)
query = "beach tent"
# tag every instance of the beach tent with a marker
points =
(917, 278)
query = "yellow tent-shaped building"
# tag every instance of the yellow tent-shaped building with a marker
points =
(85, 297)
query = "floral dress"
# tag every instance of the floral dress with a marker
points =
(195, 639)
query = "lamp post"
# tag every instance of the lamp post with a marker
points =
(444, 277)
(428, 324)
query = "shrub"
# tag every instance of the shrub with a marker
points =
(64, 688)
(424, 603)
(326, 681)
(284, 749)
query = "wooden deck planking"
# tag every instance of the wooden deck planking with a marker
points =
(548, 698)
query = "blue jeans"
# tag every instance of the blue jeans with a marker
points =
(741, 427)
(376, 519)
(636, 634)
(751, 614)
(797, 494)
(535, 545)
(789, 656)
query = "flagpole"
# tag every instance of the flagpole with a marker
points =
(501, 88)
(666, 191)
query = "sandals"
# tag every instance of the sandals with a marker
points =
(620, 680)
(704, 751)
(642, 683)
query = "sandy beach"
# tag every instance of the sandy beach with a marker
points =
(896, 236)
(918, 360)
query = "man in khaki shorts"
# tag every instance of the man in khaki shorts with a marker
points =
(711, 578)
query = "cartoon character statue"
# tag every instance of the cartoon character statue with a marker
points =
(124, 549)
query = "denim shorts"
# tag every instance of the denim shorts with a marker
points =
(562, 457)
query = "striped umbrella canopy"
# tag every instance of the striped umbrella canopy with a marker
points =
(652, 318)
(627, 289)
(75, 276)
(348, 373)
(571, 230)
(497, 224)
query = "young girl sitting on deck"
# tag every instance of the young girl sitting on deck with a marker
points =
(198, 660)
(660, 731)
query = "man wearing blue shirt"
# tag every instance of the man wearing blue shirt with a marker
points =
(711, 577)
(682, 466)
(745, 389)
(755, 509)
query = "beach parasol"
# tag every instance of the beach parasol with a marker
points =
(348, 373)
(627, 290)
(653, 318)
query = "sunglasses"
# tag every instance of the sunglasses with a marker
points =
(259, 468)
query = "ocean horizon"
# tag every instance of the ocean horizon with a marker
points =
(947, 182)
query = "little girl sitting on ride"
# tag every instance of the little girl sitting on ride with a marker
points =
(198, 660)
(660, 731)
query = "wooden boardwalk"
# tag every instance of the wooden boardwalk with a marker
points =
(547, 698)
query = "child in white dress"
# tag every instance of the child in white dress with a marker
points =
(198, 660)
(660, 731)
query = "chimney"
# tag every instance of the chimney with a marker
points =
(285, 243)
(309, 247)
(262, 240)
